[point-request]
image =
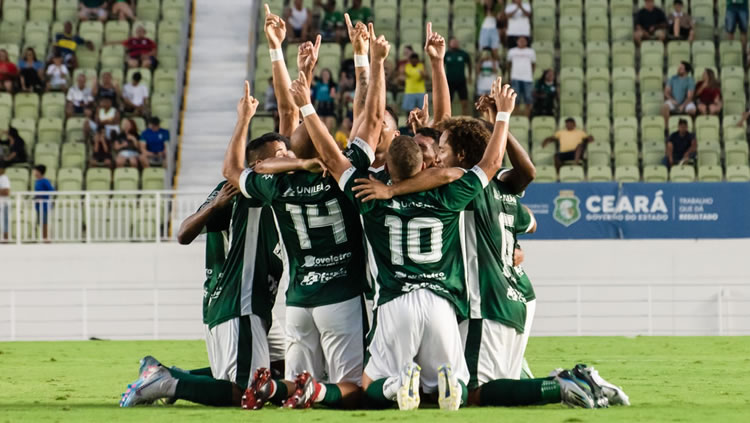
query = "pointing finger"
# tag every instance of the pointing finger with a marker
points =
(318, 39)
(268, 9)
(348, 21)
(247, 89)
(371, 28)
(425, 103)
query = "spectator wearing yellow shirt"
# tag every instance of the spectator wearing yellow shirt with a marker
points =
(342, 135)
(571, 143)
(414, 77)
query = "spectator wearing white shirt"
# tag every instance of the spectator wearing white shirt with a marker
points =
(522, 61)
(78, 98)
(135, 96)
(57, 74)
(298, 18)
(519, 21)
(4, 197)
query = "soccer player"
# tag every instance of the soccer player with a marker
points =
(239, 292)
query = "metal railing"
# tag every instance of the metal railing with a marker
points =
(96, 216)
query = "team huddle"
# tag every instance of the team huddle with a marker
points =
(393, 259)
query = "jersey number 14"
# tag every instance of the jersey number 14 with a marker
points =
(334, 220)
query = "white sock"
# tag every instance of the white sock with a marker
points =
(322, 393)
(390, 387)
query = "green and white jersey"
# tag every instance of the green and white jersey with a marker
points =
(492, 221)
(524, 222)
(320, 231)
(217, 244)
(417, 238)
(249, 276)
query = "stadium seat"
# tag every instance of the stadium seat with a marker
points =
(571, 104)
(66, 10)
(98, 179)
(41, 10)
(6, 106)
(571, 28)
(652, 128)
(652, 54)
(651, 103)
(11, 32)
(678, 51)
(623, 54)
(707, 128)
(710, 173)
(596, 8)
(544, 28)
(621, 8)
(88, 58)
(521, 126)
(26, 105)
(571, 8)
(27, 130)
(682, 173)
(19, 178)
(623, 104)
(53, 105)
(261, 125)
(600, 174)
(541, 128)
(571, 173)
(162, 105)
(734, 102)
(69, 179)
(597, 80)
(125, 179)
(165, 81)
(599, 128)
(14, 10)
(652, 80)
(597, 27)
(597, 54)
(653, 152)
(621, 28)
(170, 32)
(74, 129)
(736, 153)
(148, 10)
(703, 55)
(625, 129)
(599, 153)
(153, 178)
(735, 173)
(627, 174)
(571, 54)
(50, 130)
(655, 173)
(545, 57)
(115, 31)
(623, 79)
(36, 32)
(597, 104)
(730, 53)
(169, 56)
(709, 152)
(571, 80)
(92, 31)
(545, 174)
(112, 56)
(626, 153)
(73, 155)
(543, 155)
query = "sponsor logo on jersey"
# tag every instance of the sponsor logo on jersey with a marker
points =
(567, 210)
(515, 295)
(214, 295)
(268, 176)
(506, 198)
(332, 260)
(309, 191)
(398, 205)
(312, 278)
(409, 287)
(440, 276)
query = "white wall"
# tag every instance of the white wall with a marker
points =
(147, 291)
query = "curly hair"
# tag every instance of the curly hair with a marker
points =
(467, 136)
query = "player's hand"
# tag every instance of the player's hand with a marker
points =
(275, 29)
(419, 118)
(518, 256)
(434, 45)
(227, 192)
(371, 189)
(300, 90)
(315, 166)
(505, 97)
(379, 47)
(307, 56)
(486, 106)
(358, 36)
(247, 105)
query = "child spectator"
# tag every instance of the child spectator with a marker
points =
(154, 144)
(31, 71)
(101, 155)
(57, 74)
(135, 96)
(78, 98)
(108, 117)
(681, 25)
(324, 93)
(42, 201)
(126, 145)
(708, 92)
(8, 71)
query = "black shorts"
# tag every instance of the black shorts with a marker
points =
(460, 87)
(325, 109)
(567, 156)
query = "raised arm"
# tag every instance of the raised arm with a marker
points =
(289, 164)
(372, 119)
(234, 159)
(194, 224)
(359, 37)
(307, 57)
(275, 29)
(434, 48)
(505, 99)
(372, 189)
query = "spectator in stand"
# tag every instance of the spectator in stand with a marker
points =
(79, 97)
(457, 61)
(101, 154)
(8, 72)
(66, 44)
(93, 10)
(490, 13)
(135, 96)
(571, 143)
(519, 21)
(31, 71)
(141, 50)
(736, 16)
(414, 77)
(522, 61)
(487, 70)
(16, 148)
(126, 145)
(298, 19)
(546, 94)
(681, 25)
(650, 23)
(42, 202)
(681, 146)
(678, 93)
(324, 93)
(123, 10)
(343, 133)
(359, 13)
(708, 93)
(108, 116)
(4, 209)
(270, 104)
(154, 144)
(57, 74)
(396, 78)
(347, 81)
(332, 26)
(90, 125)
(107, 89)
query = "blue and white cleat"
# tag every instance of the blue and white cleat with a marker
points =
(147, 362)
(408, 393)
(449, 389)
(154, 383)
(574, 392)
(614, 393)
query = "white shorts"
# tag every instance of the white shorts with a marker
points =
(690, 107)
(327, 341)
(236, 348)
(416, 327)
(494, 350)
(276, 335)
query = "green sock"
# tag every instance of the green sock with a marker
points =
(203, 390)
(374, 397)
(464, 394)
(510, 392)
(205, 371)
(333, 396)
(280, 394)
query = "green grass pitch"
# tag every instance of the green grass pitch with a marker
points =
(669, 379)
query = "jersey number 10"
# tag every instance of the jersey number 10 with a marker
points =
(414, 247)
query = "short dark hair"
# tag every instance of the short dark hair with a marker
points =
(429, 133)
(154, 121)
(405, 157)
(688, 66)
(41, 169)
(682, 122)
(570, 119)
(468, 136)
(414, 56)
(677, 2)
(394, 115)
(254, 146)
(137, 76)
